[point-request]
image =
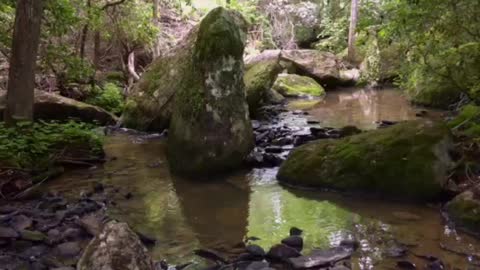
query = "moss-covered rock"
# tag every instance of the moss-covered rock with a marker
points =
(49, 106)
(407, 161)
(464, 210)
(210, 130)
(296, 85)
(259, 78)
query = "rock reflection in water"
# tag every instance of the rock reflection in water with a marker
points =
(215, 210)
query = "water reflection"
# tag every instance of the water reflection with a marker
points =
(185, 215)
(216, 211)
(362, 108)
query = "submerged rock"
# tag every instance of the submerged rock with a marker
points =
(210, 130)
(320, 258)
(296, 85)
(117, 247)
(407, 161)
(49, 106)
(464, 210)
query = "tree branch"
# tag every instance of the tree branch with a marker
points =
(112, 4)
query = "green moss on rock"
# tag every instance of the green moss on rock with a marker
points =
(465, 210)
(407, 161)
(258, 79)
(295, 85)
(210, 130)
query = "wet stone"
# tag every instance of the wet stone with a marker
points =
(6, 232)
(68, 249)
(320, 258)
(295, 231)
(282, 252)
(257, 266)
(406, 265)
(71, 234)
(35, 252)
(255, 250)
(294, 241)
(21, 222)
(34, 236)
(350, 244)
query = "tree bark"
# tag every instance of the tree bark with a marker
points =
(131, 66)
(21, 77)
(156, 21)
(96, 50)
(352, 30)
(83, 40)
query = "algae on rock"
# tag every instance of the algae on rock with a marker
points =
(259, 78)
(210, 130)
(407, 161)
(296, 85)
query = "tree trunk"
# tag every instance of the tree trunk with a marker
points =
(96, 50)
(131, 66)
(352, 30)
(21, 77)
(83, 40)
(156, 22)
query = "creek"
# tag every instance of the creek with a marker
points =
(184, 215)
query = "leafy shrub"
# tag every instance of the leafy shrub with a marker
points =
(109, 97)
(37, 145)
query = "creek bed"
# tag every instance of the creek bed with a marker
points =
(184, 216)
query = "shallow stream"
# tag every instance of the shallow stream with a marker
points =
(184, 215)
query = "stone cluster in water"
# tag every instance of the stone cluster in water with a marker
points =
(285, 255)
(279, 130)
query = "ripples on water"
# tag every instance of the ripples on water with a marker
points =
(185, 215)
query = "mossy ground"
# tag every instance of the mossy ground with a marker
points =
(296, 85)
(402, 161)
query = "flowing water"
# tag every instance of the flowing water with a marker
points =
(183, 214)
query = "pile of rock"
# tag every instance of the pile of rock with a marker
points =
(285, 255)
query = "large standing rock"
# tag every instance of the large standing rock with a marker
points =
(49, 106)
(465, 210)
(407, 161)
(117, 247)
(296, 85)
(210, 130)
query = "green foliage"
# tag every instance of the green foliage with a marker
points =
(37, 145)
(334, 35)
(133, 24)
(467, 122)
(442, 40)
(109, 97)
(7, 16)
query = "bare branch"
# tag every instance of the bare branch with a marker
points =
(112, 4)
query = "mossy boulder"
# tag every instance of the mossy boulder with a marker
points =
(259, 78)
(210, 131)
(464, 210)
(407, 161)
(295, 85)
(49, 106)
(324, 67)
